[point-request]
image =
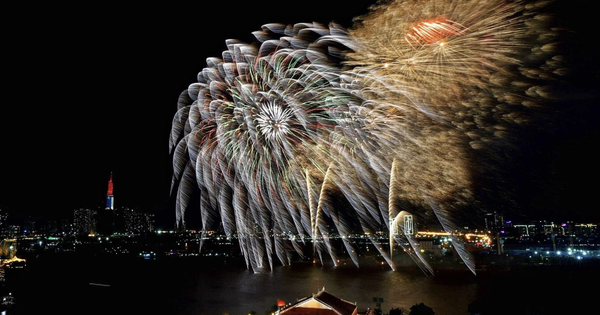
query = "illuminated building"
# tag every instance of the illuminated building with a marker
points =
(408, 225)
(586, 229)
(525, 230)
(85, 221)
(121, 221)
(137, 222)
(108, 221)
(321, 303)
(494, 221)
(4, 228)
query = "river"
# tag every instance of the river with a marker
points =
(217, 286)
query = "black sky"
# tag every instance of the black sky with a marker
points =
(92, 89)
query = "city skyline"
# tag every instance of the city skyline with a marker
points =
(82, 107)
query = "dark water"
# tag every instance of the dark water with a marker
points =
(225, 286)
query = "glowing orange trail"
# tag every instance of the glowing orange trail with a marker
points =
(433, 31)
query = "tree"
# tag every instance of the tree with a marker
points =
(272, 310)
(396, 311)
(421, 309)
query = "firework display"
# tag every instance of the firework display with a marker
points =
(389, 116)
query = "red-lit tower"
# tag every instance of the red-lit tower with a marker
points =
(110, 199)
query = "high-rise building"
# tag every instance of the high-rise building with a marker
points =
(137, 222)
(122, 220)
(494, 221)
(85, 221)
(108, 220)
(4, 228)
(110, 198)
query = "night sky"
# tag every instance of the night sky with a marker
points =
(92, 89)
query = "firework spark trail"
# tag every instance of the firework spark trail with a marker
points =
(463, 83)
(339, 219)
(389, 115)
(403, 237)
(320, 231)
(265, 113)
(445, 79)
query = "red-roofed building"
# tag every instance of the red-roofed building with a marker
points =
(321, 303)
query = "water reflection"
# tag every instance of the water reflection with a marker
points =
(218, 286)
(238, 291)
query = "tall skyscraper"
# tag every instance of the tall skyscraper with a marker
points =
(110, 199)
